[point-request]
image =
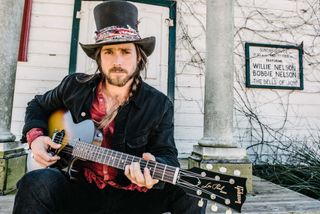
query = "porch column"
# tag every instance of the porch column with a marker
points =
(11, 19)
(218, 104)
(217, 150)
(12, 156)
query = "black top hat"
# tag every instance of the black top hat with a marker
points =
(117, 22)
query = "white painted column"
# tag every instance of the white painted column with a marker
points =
(216, 150)
(218, 104)
(12, 154)
(11, 12)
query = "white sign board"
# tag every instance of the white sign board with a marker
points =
(273, 66)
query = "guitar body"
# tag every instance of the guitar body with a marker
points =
(84, 131)
(82, 141)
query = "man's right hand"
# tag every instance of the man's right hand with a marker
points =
(40, 148)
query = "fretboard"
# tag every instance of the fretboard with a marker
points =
(119, 160)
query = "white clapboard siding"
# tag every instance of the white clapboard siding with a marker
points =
(187, 133)
(296, 112)
(40, 47)
(27, 72)
(189, 93)
(188, 119)
(48, 55)
(284, 5)
(193, 80)
(186, 106)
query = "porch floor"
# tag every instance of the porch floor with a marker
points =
(267, 198)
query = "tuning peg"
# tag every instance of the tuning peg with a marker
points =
(217, 178)
(231, 181)
(200, 203)
(223, 169)
(213, 196)
(199, 192)
(229, 211)
(203, 174)
(209, 166)
(237, 172)
(227, 201)
(214, 207)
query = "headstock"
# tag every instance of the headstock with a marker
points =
(227, 190)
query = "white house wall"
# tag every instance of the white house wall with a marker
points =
(287, 114)
(189, 81)
(261, 116)
(48, 55)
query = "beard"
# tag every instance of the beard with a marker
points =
(118, 80)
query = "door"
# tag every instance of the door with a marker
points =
(152, 23)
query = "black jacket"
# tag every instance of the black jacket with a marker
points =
(144, 124)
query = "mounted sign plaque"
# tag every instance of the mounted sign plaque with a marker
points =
(274, 66)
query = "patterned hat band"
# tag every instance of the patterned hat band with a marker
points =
(114, 34)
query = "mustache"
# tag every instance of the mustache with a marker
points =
(118, 70)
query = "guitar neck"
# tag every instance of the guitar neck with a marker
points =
(119, 160)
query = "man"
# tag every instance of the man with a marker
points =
(134, 118)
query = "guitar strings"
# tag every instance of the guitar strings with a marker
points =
(169, 170)
(64, 142)
(188, 173)
(185, 184)
(189, 185)
(143, 164)
(115, 159)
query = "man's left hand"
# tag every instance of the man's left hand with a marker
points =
(135, 175)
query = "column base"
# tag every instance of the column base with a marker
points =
(228, 159)
(12, 165)
(7, 136)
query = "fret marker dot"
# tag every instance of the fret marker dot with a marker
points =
(209, 166)
(223, 169)
(228, 211)
(214, 207)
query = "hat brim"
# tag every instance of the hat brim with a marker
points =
(147, 45)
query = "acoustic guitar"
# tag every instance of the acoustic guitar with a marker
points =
(82, 142)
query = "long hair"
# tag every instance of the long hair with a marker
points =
(141, 66)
